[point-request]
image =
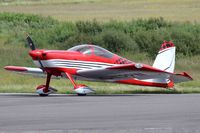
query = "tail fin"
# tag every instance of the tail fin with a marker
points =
(165, 60)
(30, 43)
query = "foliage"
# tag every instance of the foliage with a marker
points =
(139, 35)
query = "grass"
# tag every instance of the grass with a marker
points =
(105, 10)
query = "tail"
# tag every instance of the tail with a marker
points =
(165, 60)
(30, 43)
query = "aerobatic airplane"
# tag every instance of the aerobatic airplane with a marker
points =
(93, 63)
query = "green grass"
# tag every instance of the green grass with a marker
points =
(105, 10)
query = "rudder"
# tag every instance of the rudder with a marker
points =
(165, 60)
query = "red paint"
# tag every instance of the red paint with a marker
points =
(142, 83)
(166, 44)
(15, 68)
(79, 86)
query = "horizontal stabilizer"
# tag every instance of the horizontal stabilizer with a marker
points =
(182, 77)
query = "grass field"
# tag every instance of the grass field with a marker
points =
(101, 10)
(104, 10)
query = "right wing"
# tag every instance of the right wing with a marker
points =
(26, 70)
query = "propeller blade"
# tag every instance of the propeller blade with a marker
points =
(30, 42)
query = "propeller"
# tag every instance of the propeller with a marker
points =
(32, 47)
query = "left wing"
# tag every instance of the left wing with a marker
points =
(138, 71)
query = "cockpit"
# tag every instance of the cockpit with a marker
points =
(92, 50)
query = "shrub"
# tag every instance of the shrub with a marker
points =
(117, 41)
(89, 27)
(144, 35)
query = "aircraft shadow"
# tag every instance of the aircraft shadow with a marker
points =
(70, 95)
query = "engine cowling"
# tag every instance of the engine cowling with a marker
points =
(41, 92)
(83, 89)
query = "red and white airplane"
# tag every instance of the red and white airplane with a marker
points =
(93, 63)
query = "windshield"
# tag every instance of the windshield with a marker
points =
(98, 51)
(84, 49)
(92, 49)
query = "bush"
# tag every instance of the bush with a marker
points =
(117, 41)
(77, 39)
(27, 20)
(89, 27)
(144, 35)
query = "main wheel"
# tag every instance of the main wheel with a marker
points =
(41, 92)
(81, 94)
(43, 95)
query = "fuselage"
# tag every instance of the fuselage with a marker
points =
(86, 57)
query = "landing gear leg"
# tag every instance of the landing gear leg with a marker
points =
(46, 89)
(71, 79)
(47, 82)
(81, 90)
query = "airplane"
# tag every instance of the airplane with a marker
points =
(94, 63)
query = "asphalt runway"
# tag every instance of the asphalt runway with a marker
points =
(143, 113)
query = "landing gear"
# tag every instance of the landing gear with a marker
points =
(41, 90)
(45, 90)
(81, 90)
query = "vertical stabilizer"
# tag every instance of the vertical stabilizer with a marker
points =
(165, 60)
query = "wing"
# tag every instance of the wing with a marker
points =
(26, 70)
(127, 71)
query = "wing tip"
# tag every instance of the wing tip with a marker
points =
(185, 75)
(14, 68)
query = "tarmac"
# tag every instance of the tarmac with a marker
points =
(139, 113)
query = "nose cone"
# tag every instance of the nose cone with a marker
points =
(35, 54)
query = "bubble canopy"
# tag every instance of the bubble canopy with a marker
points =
(87, 49)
